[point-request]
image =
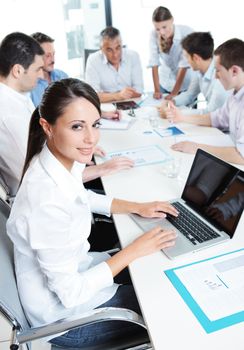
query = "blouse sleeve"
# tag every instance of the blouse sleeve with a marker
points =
(60, 250)
(99, 203)
(153, 50)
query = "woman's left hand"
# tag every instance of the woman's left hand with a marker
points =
(156, 209)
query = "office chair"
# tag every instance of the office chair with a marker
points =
(4, 191)
(23, 333)
(86, 53)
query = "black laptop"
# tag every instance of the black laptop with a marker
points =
(210, 207)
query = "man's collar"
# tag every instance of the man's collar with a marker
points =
(210, 71)
(239, 95)
(13, 92)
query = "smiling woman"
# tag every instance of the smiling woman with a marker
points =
(50, 221)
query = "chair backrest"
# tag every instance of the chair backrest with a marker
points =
(4, 191)
(87, 52)
(10, 306)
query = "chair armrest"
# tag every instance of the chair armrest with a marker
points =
(95, 316)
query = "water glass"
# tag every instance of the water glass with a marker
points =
(172, 168)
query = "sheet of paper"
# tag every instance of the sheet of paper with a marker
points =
(148, 101)
(142, 155)
(122, 124)
(215, 289)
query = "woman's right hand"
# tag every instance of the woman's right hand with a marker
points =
(153, 241)
(150, 242)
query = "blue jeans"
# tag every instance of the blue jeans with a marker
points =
(163, 90)
(105, 331)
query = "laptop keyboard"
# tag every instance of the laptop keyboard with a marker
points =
(190, 226)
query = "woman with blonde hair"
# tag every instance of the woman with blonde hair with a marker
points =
(170, 69)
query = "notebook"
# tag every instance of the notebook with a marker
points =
(210, 206)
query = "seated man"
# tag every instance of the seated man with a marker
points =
(114, 72)
(229, 64)
(198, 49)
(21, 62)
(21, 65)
(49, 73)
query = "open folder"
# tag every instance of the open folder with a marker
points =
(142, 155)
(213, 289)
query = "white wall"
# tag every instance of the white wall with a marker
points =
(31, 16)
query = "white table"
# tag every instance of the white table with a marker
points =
(170, 322)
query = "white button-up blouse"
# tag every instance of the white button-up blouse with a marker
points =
(49, 225)
(169, 63)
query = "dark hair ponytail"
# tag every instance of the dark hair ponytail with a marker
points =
(36, 140)
(56, 98)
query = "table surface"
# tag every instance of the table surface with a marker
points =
(170, 322)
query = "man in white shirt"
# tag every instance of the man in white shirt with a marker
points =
(229, 64)
(198, 49)
(114, 72)
(21, 65)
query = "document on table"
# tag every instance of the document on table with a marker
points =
(122, 124)
(170, 131)
(142, 155)
(213, 289)
(149, 101)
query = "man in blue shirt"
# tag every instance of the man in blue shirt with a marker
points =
(198, 49)
(49, 73)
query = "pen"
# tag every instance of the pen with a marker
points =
(171, 123)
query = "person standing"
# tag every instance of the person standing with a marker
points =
(170, 69)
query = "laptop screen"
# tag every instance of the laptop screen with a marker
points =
(215, 189)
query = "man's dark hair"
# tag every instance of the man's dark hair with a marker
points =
(18, 48)
(42, 38)
(200, 43)
(109, 33)
(231, 53)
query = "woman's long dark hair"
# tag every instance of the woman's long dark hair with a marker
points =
(56, 98)
(161, 14)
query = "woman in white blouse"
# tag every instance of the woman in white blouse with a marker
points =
(166, 52)
(50, 220)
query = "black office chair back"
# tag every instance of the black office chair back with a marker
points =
(10, 306)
